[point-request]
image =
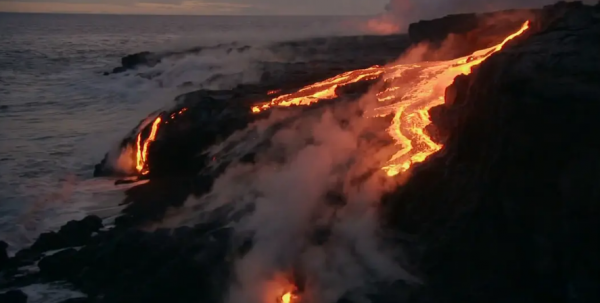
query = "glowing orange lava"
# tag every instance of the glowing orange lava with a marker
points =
(323, 90)
(413, 90)
(286, 298)
(142, 145)
(142, 152)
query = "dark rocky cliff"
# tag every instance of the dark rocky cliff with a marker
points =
(460, 35)
(508, 210)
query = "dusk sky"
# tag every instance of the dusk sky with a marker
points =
(199, 7)
(405, 10)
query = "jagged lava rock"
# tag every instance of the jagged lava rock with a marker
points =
(3, 255)
(74, 233)
(78, 300)
(462, 34)
(13, 296)
(188, 264)
(508, 210)
(138, 59)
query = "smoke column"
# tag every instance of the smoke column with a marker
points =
(400, 13)
(297, 226)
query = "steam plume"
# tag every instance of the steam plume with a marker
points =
(400, 13)
(308, 217)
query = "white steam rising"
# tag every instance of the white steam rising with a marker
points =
(297, 225)
(400, 13)
(221, 68)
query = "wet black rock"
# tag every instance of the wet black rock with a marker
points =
(13, 296)
(3, 255)
(460, 35)
(24, 257)
(507, 211)
(190, 262)
(437, 30)
(74, 233)
(79, 232)
(49, 241)
(138, 59)
(60, 264)
(78, 300)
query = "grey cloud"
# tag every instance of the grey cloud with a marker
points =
(406, 11)
(286, 7)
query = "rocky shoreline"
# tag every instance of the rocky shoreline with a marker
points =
(505, 212)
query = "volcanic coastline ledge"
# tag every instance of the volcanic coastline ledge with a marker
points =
(507, 211)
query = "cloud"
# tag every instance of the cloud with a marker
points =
(199, 7)
(407, 11)
(127, 7)
(400, 13)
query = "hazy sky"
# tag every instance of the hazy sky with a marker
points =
(265, 7)
(401, 9)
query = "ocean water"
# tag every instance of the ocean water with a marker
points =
(59, 114)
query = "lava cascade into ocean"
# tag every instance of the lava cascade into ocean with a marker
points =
(411, 90)
(408, 98)
(141, 146)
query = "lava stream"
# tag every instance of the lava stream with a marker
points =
(142, 145)
(413, 90)
(323, 90)
(142, 152)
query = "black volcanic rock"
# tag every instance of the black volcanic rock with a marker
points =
(508, 210)
(460, 35)
(13, 296)
(190, 262)
(61, 264)
(78, 300)
(3, 255)
(79, 232)
(49, 241)
(74, 233)
(438, 29)
(135, 60)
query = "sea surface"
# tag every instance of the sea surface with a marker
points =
(59, 114)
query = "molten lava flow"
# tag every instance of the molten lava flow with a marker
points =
(142, 152)
(280, 289)
(323, 90)
(142, 145)
(412, 89)
(287, 297)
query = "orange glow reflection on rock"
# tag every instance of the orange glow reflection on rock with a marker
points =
(409, 100)
(324, 90)
(142, 151)
(142, 146)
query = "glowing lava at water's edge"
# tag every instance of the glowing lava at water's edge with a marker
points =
(142, 145)
(412, 89)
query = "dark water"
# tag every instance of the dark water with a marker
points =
(59, 114)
